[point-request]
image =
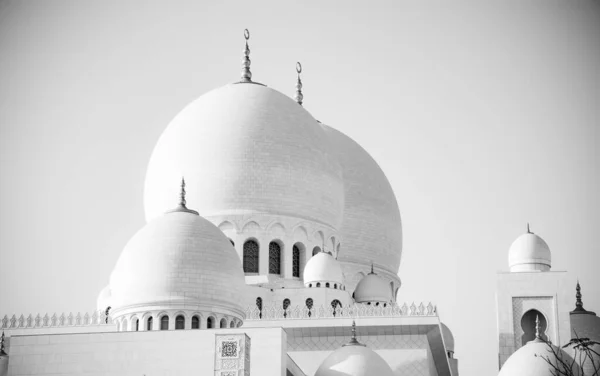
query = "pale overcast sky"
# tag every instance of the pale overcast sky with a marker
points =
(483, 114)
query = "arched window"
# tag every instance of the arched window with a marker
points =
(327, 284)
(251, 257)
(259, 306)
(309, 305)
(223, 323)
(239, 324)
(210, 323)
(149, 323)
(335, 286)
(310, 285)
(136, 325)
(296, 261)
(528, 326)
(274, 258)
(286, 305)
(335, 304)
(318, 284)
(195, 322)
(316, 250)
(164, 323)
(180, 322)
(232, 324)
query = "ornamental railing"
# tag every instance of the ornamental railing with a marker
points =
(270, 312)
(273, 312)
(55, 321)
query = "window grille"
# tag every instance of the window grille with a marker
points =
(195, 322)
(296, 262)
(274, 258)
(180, 322)
(251, 257)
(164, 323)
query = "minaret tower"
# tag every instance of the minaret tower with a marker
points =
(532, 301)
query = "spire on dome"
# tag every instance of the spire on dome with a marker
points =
(528, 230)
(246, 74)
(372, 270)
(182, 202)
(353, 340)
(2, 352)
(299, 95)
(579, 303)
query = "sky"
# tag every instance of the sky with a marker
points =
(484, 115)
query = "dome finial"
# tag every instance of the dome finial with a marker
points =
(182, 201)
(181, 207)
(372, 269)
(578, 301)
(246, 74)
(2, 352)
(353, 340)
(528, 230)
(299, 97)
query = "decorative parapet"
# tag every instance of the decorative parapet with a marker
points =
(55, 321)
(353, 311)
(272, 312)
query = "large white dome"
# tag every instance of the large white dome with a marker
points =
(371, 230)
(247, 149)
(179, 261)
(354, 360)
(529, 252)
(527, 362)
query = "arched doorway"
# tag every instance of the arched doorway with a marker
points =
(528, 326)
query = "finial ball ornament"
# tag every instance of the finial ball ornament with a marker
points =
(246, 34)
(298, 67)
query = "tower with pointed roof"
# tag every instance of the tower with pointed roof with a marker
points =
(532, 300)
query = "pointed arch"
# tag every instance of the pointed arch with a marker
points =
(251, 225)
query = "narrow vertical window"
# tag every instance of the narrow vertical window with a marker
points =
(274, 258)
(137, 325)
(251, 257)
(210, 323)
(149, 323)
(259, 306)
(286, 305)
(335, 304)
(164, 323)
(195, 322)
(309, 305)
(296, 262)
(180, 322)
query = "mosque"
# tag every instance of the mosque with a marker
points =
(272, 247)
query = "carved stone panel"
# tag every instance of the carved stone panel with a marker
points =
(232, 355)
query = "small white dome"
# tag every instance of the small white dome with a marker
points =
(372, 289)
(323, 268)
(179, 261)
(529, 253)
(524, 361)
(354, 360)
